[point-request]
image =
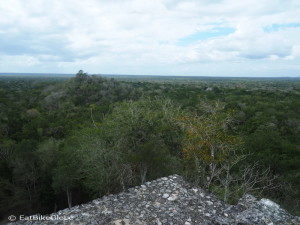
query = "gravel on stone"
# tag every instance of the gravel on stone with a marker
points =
(169, 201)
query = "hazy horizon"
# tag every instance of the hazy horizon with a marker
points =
(137, 75)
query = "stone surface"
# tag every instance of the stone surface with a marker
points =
(170, 200)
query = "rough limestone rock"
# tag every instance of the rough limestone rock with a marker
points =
(169, 200)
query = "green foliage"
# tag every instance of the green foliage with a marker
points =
(207, 143)
(97, 167)
(145, 133)
(92, 135)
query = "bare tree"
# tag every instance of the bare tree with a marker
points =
(255, 178)
(236, 172)
(226, 176)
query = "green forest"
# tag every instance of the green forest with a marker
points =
(67, 141)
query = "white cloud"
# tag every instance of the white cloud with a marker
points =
(141, 36)
(23, 61)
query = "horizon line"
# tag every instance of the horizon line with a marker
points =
(144, 75)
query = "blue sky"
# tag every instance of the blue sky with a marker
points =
(277, 27)
(163, 37)
(203, 35)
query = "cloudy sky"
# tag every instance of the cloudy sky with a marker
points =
(162, 37)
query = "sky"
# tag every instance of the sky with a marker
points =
(151, 37)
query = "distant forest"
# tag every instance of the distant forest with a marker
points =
(66, 141)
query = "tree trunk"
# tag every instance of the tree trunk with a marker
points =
(143, 173)
(226, 186)
(69, 197)
(29, 192)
